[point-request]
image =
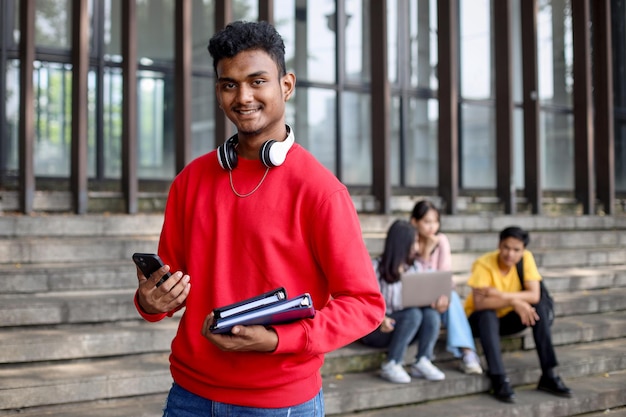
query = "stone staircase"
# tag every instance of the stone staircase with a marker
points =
(72, 343)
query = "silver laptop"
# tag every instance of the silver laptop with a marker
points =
(420, 289)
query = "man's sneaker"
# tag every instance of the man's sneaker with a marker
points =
(471, 363)
(394, 372)
(425, 369)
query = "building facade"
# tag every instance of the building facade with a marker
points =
(514, 100)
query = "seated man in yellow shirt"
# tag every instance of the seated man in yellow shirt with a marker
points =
(498, 305)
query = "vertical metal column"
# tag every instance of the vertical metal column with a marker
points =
(130, 184)
(448, 74)
(27, 110)
(223, 128)
(604, 112)
(80, 71)
(182, 80)
(266, 11)
(532, 160)
(504, 105)
(584, 184)
(381, 97)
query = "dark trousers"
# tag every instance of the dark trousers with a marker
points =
(488, 328)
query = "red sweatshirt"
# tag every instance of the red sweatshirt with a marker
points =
(299, 230)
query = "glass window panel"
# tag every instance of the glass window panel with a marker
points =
(112, 36)
(9, 143)
(555, 52)
(421, 149)
(202, 119)
(475, 46)
(53, 24)
(356, 138)
(287, 19)
(9, 16)
(393, 29)
(557, 147)
(52, 84)
(202, 28)
(155, 30)
(112, 100)
(155, 150)
(320, 41)
(308, 30)
(91, 124)
(357, 41)
(245, 10)
(312, 113)
(478, 147)
(423, 36)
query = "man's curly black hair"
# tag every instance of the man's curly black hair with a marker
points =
(242, 36)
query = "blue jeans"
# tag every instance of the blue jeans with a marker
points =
(182, 403)
(413, 324)
(459, 333)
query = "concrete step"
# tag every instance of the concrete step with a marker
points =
(107, 379)
(578, 279)
(493, 222)
(619, 411)
(356, 392)
(33, 385)
(30, 239)
(110, 274)
(22, 345)
(357, 357)
(34, 250)
(49, 224)
(558, 279)
(486, 240)
(67, 307)
(38, 250)
(89, 225)
(476, 233)
(140, 406)
(597, 394)
(68, 276)
(554, 258)
(116, 304)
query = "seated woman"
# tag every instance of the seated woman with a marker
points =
(404, 326)
(435, 254)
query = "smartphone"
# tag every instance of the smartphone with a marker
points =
(149, 263)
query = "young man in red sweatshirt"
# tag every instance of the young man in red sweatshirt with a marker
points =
(244, 219)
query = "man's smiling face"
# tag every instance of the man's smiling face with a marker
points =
(252, 93)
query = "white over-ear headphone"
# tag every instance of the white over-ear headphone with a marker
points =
(272, 152)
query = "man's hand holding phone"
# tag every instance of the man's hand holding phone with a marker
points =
(159, 291)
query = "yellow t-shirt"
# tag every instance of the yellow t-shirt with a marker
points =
(486, 273)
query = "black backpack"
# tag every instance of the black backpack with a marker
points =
(545, 295)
